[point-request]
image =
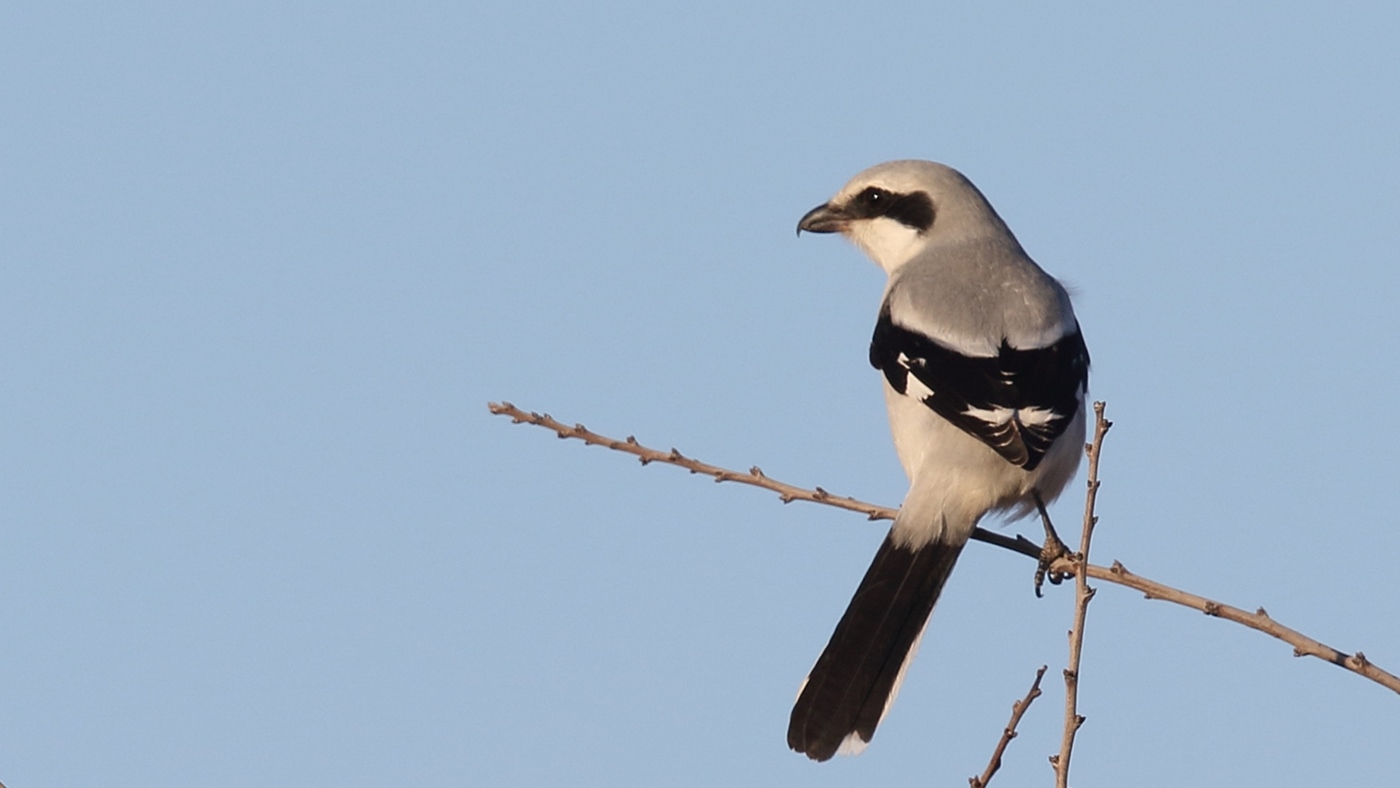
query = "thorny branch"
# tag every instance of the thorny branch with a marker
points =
(1017, 710)
(1117, 573)
(1082, 595)
(755, 477)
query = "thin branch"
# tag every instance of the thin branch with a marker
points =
(1303, 646)
(1083, 594)
(1018, 709)
(1117, 574)
(755, 477)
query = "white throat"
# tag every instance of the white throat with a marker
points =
(889, 243)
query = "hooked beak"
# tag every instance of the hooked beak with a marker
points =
(825, 218)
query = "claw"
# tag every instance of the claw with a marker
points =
(1053, 550)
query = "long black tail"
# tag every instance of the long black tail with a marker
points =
(857, 675)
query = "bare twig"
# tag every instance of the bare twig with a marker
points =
(1083, 594)
(1017, 710)
(1117, 574)
(755, 477)
(1303, 646)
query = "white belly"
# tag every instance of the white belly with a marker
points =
(955, 479)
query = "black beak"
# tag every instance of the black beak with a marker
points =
(826, 218)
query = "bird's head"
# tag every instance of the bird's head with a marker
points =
(896, 210)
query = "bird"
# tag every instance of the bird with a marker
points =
(985, 374)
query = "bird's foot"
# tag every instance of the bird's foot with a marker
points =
(1053, 550)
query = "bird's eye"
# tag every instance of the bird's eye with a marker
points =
(872, 201)
(873, 196)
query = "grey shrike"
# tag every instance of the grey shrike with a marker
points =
(985, 374)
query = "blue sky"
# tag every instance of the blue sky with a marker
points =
(262, 266)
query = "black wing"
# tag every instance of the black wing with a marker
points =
(1017, 402)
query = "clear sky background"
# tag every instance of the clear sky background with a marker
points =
(263, 265)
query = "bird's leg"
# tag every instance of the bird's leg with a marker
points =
(1053, 549)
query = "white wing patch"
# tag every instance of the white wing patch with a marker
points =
(913, 387)
(1027, 417)
(1036, 417)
